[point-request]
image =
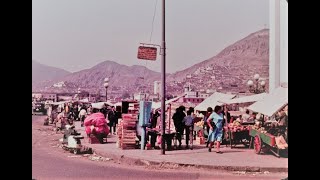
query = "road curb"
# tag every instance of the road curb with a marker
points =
(118, 158)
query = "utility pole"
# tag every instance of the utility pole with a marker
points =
(163, 78)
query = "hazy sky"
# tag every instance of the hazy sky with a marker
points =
(78, 34)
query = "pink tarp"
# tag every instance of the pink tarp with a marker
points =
(98, 121)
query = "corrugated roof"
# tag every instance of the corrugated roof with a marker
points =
(272, 102)
(245, 99)
(157, 105)
(213, 100)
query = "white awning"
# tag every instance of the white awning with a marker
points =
(245, 99)
(100, 105)
(60, 102)
(118, 104)
(86, 100)
(213, 101)
(157, 105)
(272, 102)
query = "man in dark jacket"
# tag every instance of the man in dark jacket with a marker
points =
(177, 117)
(113, 119)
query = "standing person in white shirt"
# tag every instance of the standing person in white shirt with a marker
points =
(89, 110)
(246, 116)
(82, 115)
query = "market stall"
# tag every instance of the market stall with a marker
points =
(237, 131)
(271, 132)
(54, 109)
(154, 130)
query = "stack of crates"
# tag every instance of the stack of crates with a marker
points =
(127, 131)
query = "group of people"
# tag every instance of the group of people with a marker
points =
(68, 112)
(214, 119)
(184, 121)
(247, 118)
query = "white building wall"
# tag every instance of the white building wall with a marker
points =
(156, 87)
(283, 41)
(278, 43)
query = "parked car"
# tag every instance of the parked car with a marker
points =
(38, 109)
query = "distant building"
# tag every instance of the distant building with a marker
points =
(154, 97)
(65, 98)
(204, 95)
(191, 96)
(44, 96)
(92, 98)
(59, 84)
(210, 91)
(196, 100)
(141, 96)
(156, 87)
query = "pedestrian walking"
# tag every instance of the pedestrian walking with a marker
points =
(215, 122)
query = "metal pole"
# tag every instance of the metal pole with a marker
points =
(163, 79)
(169, 119)
(143, 138)
(106, 94)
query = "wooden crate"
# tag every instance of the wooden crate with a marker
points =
(128, 146)
(127, 128)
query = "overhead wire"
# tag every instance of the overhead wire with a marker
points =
(150, 39)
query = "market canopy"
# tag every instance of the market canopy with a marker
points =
(272, 102)
(245, 99)
(86, 100)
(118, 104)
(157, 105)
(213, 101)
(100, 105)
(59, 103)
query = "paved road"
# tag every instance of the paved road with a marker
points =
(53, 163)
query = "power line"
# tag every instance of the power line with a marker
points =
(151, 33)
(154, 15)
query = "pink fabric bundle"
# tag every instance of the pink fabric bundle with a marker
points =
(99, 123)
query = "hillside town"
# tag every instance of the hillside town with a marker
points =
(226, 72)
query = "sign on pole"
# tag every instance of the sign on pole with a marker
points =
(147, 53)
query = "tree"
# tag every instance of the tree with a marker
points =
(125, 95)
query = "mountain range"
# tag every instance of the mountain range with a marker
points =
(41, 72)
(232, 67)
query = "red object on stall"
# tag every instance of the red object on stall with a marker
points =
(98, 121)
(93, 139)
(148, 145)
(202, 141)
(231, 120)
(159, 139)
(272, 140)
